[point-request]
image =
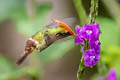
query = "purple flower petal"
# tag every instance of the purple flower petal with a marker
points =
(96, 29)
(95, 43)
(90, 57)
(78, 29)
(112, 75)
(86, 31)
(82, 49)
(78, 40)
(89, 31)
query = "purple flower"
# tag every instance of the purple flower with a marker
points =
(78, 29)
(79, 39)
(90, 57)
(89, 31)
(95, 43)
(112, 75)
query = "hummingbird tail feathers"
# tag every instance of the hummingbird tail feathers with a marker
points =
(22, 59)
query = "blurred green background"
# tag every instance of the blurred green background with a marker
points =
(20, 19)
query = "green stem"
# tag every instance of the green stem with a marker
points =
(81, 70)
(94, 11)
(81, 11)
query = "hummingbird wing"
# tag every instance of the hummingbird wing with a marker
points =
(69, 21)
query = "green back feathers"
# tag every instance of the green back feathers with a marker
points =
(39, 36)
(54, 31)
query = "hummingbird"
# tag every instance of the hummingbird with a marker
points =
(44, 38)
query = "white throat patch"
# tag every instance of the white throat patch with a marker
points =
(36, 42)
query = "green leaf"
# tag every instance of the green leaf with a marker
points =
(110, 50)
(8, 71)
(30, 26)
(111, 55)
(109, 40)
(5, 66)
(56, 51)
(109, 29)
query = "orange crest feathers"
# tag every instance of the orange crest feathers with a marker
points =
(62, 24)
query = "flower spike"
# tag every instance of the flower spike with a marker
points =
(90, 33)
